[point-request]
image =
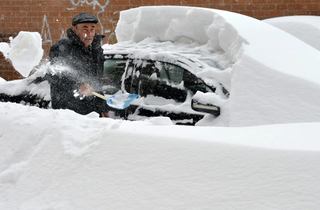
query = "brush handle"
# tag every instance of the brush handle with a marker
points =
(99, 95)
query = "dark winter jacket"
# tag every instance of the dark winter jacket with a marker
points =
(71, 64)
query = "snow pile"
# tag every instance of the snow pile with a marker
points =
(2, 80)
(305, 28)
(271, 76)
(25, 51)
(57, 159)
(17, 87)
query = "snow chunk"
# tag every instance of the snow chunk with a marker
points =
(5, 49)
(25, 51)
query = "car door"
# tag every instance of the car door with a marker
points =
(165, 87)
(118, 78)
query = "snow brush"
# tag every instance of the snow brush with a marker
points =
(118, 101)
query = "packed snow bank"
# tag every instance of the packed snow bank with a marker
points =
(305, 28)
(271, 76)
(2, 80)
(17, 87)
(57, 159)
(25, 51)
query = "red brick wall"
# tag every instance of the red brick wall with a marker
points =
(51, 18)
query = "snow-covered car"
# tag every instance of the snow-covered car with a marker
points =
(163, 78)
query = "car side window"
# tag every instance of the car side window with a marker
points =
(182, 78)
(162, 80)
(116, 75)
(194, 84)
(174, 72)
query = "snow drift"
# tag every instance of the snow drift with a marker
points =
(57, 159)
(304, 27)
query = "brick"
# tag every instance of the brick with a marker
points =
(200, 1)
(222, 7)
(253, 7)
(274, 1)
(247, 13)
(310, 6)
(276, 13)
(244, 1)
(289, 1)
(161, 2)
(259, 1)
(268, 7)
(295, 7)
(304, 1)
(261, 13)
(238, 7)
(281, 7)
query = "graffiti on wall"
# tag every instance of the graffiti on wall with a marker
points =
(102, 6)
(45, 32)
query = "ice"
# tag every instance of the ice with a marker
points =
(25, 51)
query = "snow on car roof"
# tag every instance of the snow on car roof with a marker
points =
(193, 56)
(221, 31)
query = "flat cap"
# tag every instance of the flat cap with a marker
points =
(84, 18)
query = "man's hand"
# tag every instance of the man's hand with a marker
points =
(85, 89)
(105, 114)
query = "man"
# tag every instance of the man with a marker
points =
(76, 63)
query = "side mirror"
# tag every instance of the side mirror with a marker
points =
(206, 108)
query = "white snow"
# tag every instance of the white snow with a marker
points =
(57, 159)
(25, 51)
(304, 27)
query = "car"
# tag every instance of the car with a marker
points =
(163, 79)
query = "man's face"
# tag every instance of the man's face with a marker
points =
(85, 31)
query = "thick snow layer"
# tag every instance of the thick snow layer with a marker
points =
(25, 51)
(273, 77)
(17, 87)
(57, 159)
(306, 28)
